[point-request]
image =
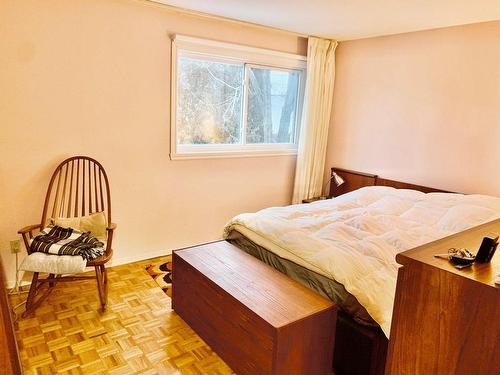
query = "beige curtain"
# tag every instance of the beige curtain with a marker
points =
(315, 119)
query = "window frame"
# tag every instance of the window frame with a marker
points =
(250, 57)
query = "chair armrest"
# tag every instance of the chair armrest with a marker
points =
(27, 234)
(29, 228)
(111, 227)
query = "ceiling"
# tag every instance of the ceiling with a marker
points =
(349, 19)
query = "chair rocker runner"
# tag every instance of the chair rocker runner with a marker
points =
(79, 187)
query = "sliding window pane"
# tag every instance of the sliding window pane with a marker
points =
(272, 105)
(209, 102)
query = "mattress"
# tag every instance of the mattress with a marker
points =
(353, 239)
(326, 287)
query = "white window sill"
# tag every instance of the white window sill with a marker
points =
(186, 152)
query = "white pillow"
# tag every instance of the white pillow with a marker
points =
(94, 223)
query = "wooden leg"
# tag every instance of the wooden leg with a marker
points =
(51, 284)
(32, 302)
(32, 292)
(104, 272)
(100, 287)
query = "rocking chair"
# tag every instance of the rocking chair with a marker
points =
(78, 187)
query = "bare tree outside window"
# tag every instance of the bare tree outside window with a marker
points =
(272, 106)
(216, 107)
(209, 102)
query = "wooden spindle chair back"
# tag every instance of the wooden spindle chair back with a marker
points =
(79, 187)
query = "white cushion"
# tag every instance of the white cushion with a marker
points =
(56, 264)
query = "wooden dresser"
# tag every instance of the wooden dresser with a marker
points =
(445, 320)
(9, 357)
(257, 319)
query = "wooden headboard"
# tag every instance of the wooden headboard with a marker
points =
(355, 180)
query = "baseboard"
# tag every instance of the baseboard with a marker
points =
(113, 262)
(12, 283)
(136, 258)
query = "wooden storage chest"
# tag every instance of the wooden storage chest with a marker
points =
(257, 319)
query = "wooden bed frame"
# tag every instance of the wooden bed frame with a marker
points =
(362, 350)
(359, 350)
(355, 180)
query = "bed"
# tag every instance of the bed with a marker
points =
(345, 248)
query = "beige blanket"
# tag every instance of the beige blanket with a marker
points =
(354, 238)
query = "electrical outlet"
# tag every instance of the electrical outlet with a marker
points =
(15, 246)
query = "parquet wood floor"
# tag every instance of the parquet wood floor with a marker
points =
(138, 334)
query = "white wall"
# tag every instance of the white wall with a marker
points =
(421, 107)
(92, 77)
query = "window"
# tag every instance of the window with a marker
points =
(230, 100)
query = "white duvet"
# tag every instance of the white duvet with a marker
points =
(354, 238)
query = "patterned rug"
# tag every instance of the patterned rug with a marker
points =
(161, 272)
